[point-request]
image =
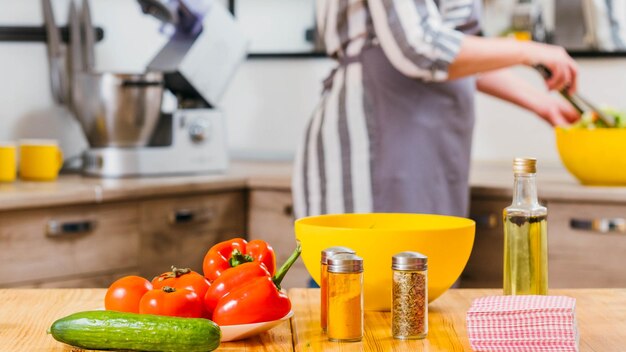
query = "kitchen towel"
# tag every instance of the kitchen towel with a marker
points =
(523, 324)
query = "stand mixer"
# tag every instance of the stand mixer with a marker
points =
(163, 121)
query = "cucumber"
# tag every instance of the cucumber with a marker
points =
(109, 330)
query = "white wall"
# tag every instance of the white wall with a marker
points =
(268, 102)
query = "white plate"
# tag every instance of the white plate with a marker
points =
(243, 331)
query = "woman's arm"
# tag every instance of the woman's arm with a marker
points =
(418, 44)
(505, 85)
(479, 55)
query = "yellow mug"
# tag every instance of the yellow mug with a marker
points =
(8, 162)
(40, 159)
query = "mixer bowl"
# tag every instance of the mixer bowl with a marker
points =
(446, 240)
(594, 156)
(117, 110)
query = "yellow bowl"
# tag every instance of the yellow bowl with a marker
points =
(594, 157)
(446, 240)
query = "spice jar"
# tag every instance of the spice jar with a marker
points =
(409, 307)
(345, 298)
(327, 253)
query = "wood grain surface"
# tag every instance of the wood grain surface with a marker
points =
(601, 317)
(25, 315)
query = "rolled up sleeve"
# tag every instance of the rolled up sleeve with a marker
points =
(414, 37)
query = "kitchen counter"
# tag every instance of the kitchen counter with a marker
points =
(26, 315)
(72, 189)
(487, 179)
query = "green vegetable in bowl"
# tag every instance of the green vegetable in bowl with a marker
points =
(590, 120)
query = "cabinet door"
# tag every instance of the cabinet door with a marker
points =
(587, 243)
(179, 231)
(271, 220)
(55, 243)
(484, 268)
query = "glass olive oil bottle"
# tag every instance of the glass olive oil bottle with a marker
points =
(525, 235)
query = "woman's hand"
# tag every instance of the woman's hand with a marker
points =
(555, 110)
(564, 69)
(506, 86)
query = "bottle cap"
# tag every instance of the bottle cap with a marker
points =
(329, 252)
(409, 261)
(345, 263)
(524, 165)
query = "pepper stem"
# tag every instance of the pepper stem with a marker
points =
(237, 258)
(282, 271)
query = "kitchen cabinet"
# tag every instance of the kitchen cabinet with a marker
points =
(586, 242)
(92, 245)
(586, 245)
(179, 230)
(57, 244)
(484, 267)
(85, 232)
(271, 220)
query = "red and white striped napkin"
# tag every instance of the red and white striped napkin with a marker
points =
(523, 324)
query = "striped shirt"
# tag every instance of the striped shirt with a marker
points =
(364, 149)
(420, 37)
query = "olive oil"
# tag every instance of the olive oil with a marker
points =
(525, 259)
(525, 236)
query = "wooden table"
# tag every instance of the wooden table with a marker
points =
(26, 314)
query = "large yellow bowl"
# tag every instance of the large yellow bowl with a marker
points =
(446, 240)
(594, 157)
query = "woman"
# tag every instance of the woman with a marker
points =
(393, 130)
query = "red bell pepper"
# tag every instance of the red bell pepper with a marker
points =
(247, 294)
(228, 254)
(230, 280)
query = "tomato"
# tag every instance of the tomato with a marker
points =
(124, 294)
(182, 278)
(172, 302)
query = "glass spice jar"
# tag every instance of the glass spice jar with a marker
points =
(345, 298)
(327, 253)
(409, 307)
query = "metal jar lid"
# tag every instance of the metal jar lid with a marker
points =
(345, 263)
(409, 261)
(329, 252)
(524, 165)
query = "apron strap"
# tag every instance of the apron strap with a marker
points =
(342, 61)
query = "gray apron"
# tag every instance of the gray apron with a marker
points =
(422, 137)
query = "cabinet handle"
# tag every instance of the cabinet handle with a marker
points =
(288, 210)
(190, 216)
(485, 221)
(601, 225)
(56, 228)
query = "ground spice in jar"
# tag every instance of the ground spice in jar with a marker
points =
(345, 298)
(327, 253)
(409, 310)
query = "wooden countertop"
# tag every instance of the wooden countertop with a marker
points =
(26, 315)
(490, 179)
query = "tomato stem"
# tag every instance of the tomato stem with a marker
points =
(282, 271)
(176, 272)
(168, 289)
